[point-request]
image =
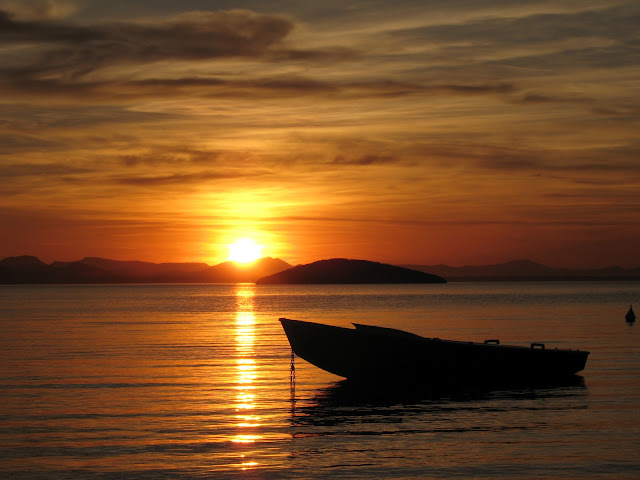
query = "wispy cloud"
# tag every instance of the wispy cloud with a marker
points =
(66, 51)
(413, 114)
(38, 10)
(74, 49)
(365, 160)
(182, 179)
(39, 170)
(11, 143)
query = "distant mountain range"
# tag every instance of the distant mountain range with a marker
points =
(31, 270)
(525, 270)
(28, 269)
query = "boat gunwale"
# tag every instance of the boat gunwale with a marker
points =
(403, 334)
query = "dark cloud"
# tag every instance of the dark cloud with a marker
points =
(79, 91)
(213, 87)
(34, 118)
(69, 52)
(296, 85)
(66, 218)
(364, 160)
(184, 156)
(28, 178)
(623, 112)
(443, 222)
(533, 160)
(474, 89)
(39, 170)
(182, 179)
(536, 98)
(326, 54)
(73, 50)
(11, 143)
(398, 89)
(14, 31)
(528, 45)
(155, 158)
(64, 54)
(58, 58)
(618, 23)
(570, 59)
(480, 155)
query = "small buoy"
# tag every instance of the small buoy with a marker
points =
(630, 316)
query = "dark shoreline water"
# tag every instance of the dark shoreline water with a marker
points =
(192, 381)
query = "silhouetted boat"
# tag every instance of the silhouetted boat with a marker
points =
(373, 353)
(630, 316)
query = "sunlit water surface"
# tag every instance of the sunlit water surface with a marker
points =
(193, 381)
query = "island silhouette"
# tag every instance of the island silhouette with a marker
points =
(342, 270)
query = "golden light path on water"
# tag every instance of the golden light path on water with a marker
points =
(246, 371)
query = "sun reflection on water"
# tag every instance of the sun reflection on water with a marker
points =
(246, 370)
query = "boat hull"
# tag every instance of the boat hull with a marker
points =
(384, 354)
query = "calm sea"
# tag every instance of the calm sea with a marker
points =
(193, 381)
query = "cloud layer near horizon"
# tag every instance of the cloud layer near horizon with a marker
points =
(477, 132)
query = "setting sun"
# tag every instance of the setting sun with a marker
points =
(245, 250)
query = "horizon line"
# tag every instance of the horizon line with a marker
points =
(404, 264)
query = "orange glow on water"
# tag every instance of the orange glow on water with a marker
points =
(246, 370)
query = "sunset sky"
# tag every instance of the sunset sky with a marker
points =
(457, 132)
